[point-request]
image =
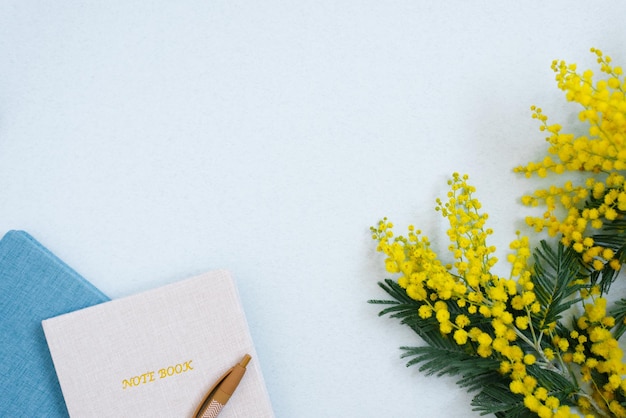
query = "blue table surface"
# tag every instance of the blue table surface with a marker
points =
(144, 143)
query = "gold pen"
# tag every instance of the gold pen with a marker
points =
(221, 391)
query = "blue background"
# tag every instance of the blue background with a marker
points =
(144, 142)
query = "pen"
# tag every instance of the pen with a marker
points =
(221, 391)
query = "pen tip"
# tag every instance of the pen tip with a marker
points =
(245, 360)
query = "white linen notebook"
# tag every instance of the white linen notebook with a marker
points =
(157, 353)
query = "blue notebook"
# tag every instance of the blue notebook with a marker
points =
(34, 285)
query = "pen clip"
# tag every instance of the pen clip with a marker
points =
(209, 396)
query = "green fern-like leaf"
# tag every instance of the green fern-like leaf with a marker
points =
(447, 358)
(613, 236)
(441, 355)
(556, 275)
(560, 386)
(497, 399)
(404, 308)
(556, 279)
(619, 313)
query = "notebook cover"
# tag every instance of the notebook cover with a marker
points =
(34, 285)
(158, 352)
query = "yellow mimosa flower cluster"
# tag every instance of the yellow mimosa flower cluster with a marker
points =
(493, 316)
(576, 212)
(596, 352)
(506, 335)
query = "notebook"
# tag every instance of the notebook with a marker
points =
(34, 285)
(157, 353)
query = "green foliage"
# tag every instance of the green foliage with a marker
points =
(405, 309)
(619, 313)
(496, 399)
(613, 236)
(557, 278)
(442, 356)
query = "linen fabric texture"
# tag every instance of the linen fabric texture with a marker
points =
(34, 285)
(158, 352)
